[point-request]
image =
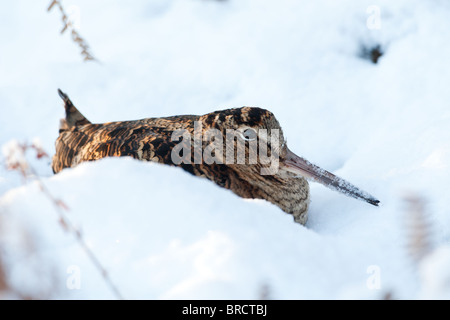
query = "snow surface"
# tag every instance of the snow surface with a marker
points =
(163, 234)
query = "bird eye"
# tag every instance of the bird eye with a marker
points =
(248, 134)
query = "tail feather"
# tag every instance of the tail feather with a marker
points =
(73, 116)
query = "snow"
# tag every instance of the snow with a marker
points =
(163, 234)
(435, 275)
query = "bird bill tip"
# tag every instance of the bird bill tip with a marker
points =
(374, 202)
(303, 167)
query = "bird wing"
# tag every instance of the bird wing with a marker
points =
(115, 139)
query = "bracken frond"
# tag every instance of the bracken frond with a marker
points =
(418, 227)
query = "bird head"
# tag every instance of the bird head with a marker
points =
(245, 151)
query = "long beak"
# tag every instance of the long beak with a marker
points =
(303, 167)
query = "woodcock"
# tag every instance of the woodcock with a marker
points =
(151, 139)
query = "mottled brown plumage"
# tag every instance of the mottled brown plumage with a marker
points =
(151, 140)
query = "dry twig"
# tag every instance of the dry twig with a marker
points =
(68, 25)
